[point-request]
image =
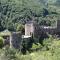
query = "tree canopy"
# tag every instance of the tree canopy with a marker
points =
(13, 12)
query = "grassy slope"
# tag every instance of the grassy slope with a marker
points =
(52, 54)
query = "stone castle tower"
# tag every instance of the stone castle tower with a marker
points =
(36, 30)
(29, 28)
(32, 28)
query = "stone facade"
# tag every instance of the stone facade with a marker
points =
(15, 40)
(37, 31)
(58, 25)
(32, 28)
(29, 28)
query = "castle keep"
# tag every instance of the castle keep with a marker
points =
(37, 30)
(31, 29)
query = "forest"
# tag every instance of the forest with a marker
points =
(13, 16)
(15, 12)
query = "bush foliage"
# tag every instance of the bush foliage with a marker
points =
(1, 42)
(44, 12)
(53, 52)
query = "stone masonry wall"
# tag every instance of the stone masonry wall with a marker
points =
(15, 40)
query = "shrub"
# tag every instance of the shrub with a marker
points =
(35, 46)
(8, 54)
(20, 27)
(48, 42)
(1, 42)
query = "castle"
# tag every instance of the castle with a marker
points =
(35, 30)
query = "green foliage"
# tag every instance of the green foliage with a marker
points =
(48, 41)
(52, 54)
(20, 27)
(36, 46)
(1, 42)
(20, 11)
(8, 54)
(15, 13)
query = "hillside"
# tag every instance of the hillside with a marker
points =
(13, 12)
(13, 16)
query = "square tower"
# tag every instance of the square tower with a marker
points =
(29, 28)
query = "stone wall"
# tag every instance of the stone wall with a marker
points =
(6, 40)
(29, 29)
(15, 40)
(41, 31)
(58, 25)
